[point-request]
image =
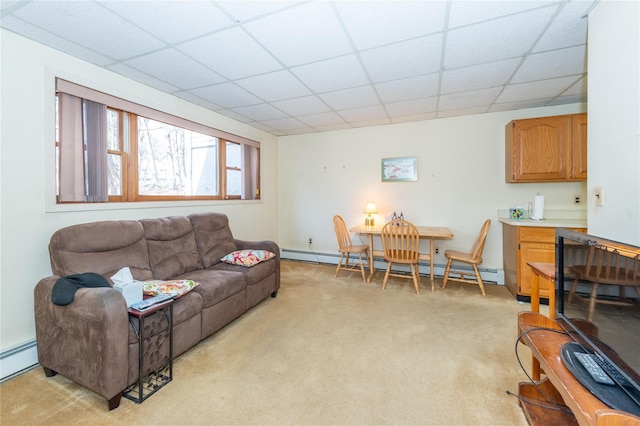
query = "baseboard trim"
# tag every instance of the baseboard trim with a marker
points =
(489, 275)
(15, 360)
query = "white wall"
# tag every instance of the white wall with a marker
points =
(27, 209)
(614, 120)
(460, 180)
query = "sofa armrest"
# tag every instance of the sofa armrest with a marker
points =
(85, 341)
(264, 245)
(259, 245)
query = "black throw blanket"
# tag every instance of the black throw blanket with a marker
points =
(65, 288)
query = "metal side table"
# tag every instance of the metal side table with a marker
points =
(154, 330)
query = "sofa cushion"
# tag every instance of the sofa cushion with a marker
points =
(254, 274)
(248, 257)
(216, 285)
(213, 236)
(172, 246)
(101, 247)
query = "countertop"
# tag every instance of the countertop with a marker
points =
(553, 219)
(551, 222)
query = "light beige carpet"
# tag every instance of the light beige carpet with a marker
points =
(326, 351)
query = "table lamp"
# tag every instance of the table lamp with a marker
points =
(370, 209)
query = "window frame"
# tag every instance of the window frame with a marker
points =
(128, 113)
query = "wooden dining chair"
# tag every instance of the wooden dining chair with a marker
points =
(474, 258)
(346, 248)
(606, 267)
(400, 240)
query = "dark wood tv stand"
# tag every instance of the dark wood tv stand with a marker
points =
(559, 384)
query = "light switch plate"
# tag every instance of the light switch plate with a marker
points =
(599, 193)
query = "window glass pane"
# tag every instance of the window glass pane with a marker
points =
(175, 161)
(115, 174)
(234, 156)
(113, 130)
(234, 182)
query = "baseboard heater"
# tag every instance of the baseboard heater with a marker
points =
(489, 275)
(15, 360)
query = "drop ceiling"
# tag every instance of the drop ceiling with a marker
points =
(303, 67)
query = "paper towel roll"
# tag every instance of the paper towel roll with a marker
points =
(538, 207)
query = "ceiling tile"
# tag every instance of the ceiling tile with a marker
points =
(345, 71)
(245, 10)
(323, 119)
(471, 12)
(409, 88)
(503, 38)
(91, 26)
(285, 124)
(274, 86)
(46, 38)
(556, 63)
(305, 105)
(141, 77)
(568, 29)
(228, 95)
(307, 33)
(260, 112)
(351, 98)
(172, 21)
(536, 89)
(372, 24)
(231, 53)
(483, 97)
(174, 67)
(478, 76)
(413, 107)
(375, 112)
(404, 59)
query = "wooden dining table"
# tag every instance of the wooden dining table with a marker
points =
(429, 232)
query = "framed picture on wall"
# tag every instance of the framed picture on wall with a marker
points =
(399, 169)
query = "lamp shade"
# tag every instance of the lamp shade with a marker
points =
(371, 208)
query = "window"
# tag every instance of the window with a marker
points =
(111, 150)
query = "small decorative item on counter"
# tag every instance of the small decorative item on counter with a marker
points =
(516, 212)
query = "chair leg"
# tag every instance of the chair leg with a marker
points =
(479, 278)
(364, 277)
(446, 274)
(416, 278)
(386, 276)
(572, 292)
(592, 301)
(339, 264)
(369, 264)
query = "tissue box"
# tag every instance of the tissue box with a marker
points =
(132, 291)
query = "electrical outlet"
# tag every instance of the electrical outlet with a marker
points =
(577, 199)
(599, 193)
(310, 241)
(437, 250)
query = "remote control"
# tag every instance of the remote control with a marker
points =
(148, 303)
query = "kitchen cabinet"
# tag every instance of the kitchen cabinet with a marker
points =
(546, 149)
(522, 244)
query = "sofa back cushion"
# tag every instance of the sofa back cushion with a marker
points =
(172, 246)
(101, 247)
(213, 236)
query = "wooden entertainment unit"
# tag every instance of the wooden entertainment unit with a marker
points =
(582, 408)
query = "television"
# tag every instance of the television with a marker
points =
(598, 305)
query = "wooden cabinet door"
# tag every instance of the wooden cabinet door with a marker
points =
(533, 252)
(579, 140)
(538, 149)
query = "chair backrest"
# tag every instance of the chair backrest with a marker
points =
(400, 241)
(344, 239)
(610, 267)
(478, 245)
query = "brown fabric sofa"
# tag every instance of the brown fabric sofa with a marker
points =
(91, 340)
